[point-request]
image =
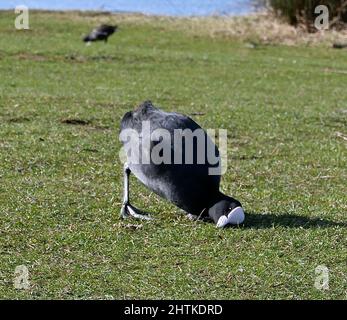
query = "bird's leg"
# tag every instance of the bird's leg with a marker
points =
(127, 209)
(124, 210)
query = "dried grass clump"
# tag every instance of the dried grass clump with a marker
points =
(264, 28)
(302, 12)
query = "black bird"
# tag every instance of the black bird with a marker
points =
(339, 45)
(186, 184)
(100, 33)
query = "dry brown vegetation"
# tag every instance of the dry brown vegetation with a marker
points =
(264, 28)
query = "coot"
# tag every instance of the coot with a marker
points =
(100, 33)
(183, 173)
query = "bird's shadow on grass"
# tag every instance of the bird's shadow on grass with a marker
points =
(269, 220)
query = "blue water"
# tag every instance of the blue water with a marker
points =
(160, 7)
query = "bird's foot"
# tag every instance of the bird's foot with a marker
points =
(124, 213)
(128, 210)
(192, 217)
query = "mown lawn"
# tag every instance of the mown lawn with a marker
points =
(61, 184)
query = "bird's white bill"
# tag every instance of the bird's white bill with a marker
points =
(235, 216)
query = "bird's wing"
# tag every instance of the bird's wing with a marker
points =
(171, 121)
(105, 29)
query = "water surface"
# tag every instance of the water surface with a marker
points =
(160, 7)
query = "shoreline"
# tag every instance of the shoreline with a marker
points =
(115, 12)
(174, 8)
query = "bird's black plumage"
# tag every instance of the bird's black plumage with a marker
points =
(100, 33)
(186, 185)
(189, 186)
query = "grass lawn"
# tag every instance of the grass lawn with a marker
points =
(61, 184)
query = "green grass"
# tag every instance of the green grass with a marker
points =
(61, 184)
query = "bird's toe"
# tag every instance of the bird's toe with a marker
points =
(124, 213)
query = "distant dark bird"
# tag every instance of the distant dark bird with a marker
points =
(338, 45)
(100, 33)
(187, 185)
